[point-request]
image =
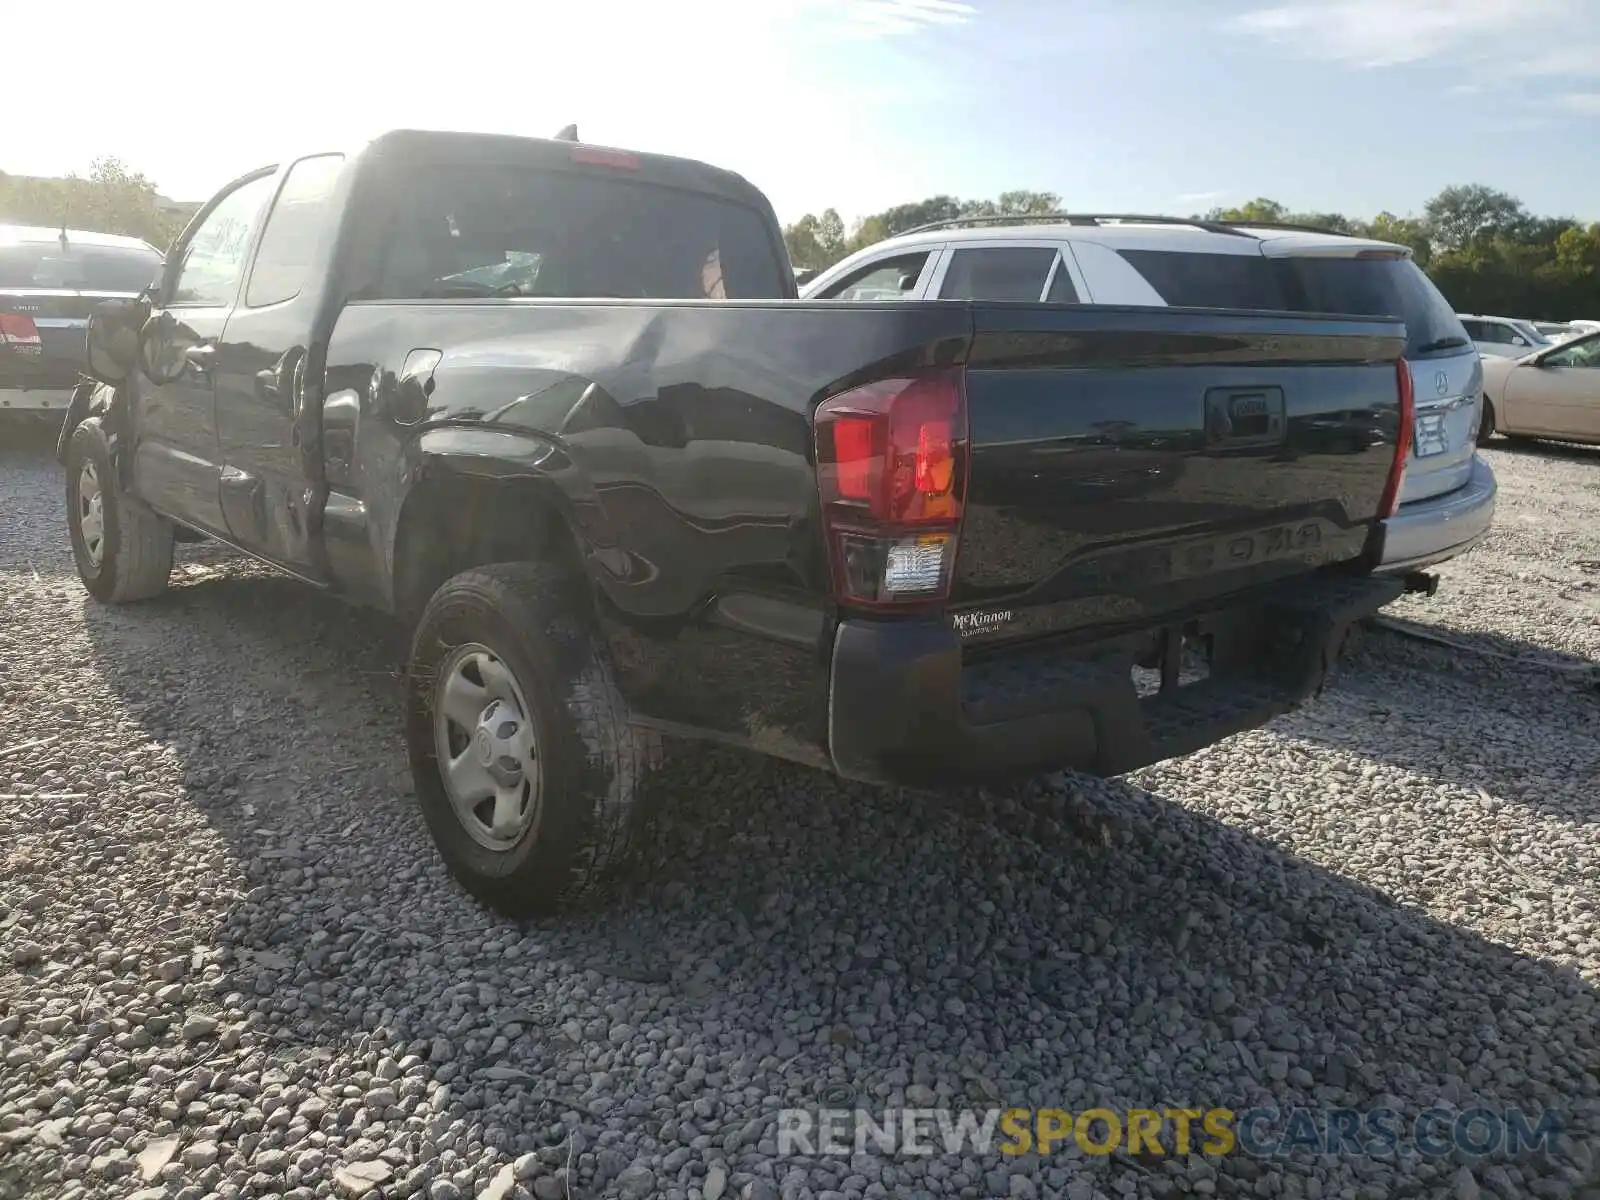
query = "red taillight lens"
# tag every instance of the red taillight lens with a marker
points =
(602, 156)
(1402, 441)
(891, 465)
(19, 332)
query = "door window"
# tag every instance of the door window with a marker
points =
(998, 273)
(213, 261)
(292, 231)
(886, 279)
(1579, 354)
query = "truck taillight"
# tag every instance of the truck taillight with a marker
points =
(19, 332)
(891, 468)
(1402, 441)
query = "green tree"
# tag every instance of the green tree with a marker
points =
(1461, 214)
(110, 199)
(1406, 231)
(1259, 209)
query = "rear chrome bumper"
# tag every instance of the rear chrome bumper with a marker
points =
(1430, 531)
(35, 400)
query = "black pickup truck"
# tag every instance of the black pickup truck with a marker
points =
(558, 408)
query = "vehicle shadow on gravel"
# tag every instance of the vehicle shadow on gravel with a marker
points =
(794, 941)
(1515, 722)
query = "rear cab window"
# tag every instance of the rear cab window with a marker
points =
(47, 265)
(1347, 286)
(489, 230)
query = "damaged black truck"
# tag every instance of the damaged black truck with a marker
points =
(557, 408)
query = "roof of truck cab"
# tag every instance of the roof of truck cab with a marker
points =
(497, 149)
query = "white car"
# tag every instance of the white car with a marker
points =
(1551, 393)
(1503, 337)
(1556, 331)
(1448, 493)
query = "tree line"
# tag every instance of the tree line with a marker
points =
(1482, 247)
(110, 199)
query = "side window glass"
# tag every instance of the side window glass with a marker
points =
(887, 279)
(1061, 289)
(998, 273)
(213, 260)
(292, 231)
(1584, 354)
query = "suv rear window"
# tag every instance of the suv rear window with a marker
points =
(1358, 287)
(518, 231)
(25, 265)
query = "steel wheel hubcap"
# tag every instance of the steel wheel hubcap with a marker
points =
(488, 752)
(91, 513)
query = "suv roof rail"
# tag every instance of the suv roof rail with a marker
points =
(1232, 228)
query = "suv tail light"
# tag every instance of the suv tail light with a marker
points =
(604, 156)
(891, 468)
(1402, 441)
(20, 333)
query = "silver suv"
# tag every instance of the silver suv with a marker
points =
(1448, 494)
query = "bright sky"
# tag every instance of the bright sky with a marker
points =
(1141, 105)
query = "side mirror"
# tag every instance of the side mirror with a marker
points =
(112, 339)
(1516, 341)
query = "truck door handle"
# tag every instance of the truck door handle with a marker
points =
(200, 357)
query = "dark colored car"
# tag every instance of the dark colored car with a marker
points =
(50, 279)
(558, 408)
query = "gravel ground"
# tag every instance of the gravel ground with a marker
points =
(233, 965)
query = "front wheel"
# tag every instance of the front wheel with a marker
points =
(523, 761)
(123, 550)
(1486, 422)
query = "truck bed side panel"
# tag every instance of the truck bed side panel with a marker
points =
(683, 453)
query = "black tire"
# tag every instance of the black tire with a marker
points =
(591, 763)
(135, 545)
(1486, 421)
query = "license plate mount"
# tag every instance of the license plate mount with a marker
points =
(1431, 436)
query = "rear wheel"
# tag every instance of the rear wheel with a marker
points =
(122, 549)
(522, 758)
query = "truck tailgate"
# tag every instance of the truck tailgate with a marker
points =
(1129, 465)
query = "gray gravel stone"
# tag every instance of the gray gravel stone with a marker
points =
(361, 1178)
(1384, 898)
(198, 1026)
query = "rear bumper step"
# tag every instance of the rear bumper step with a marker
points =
(905, 708)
